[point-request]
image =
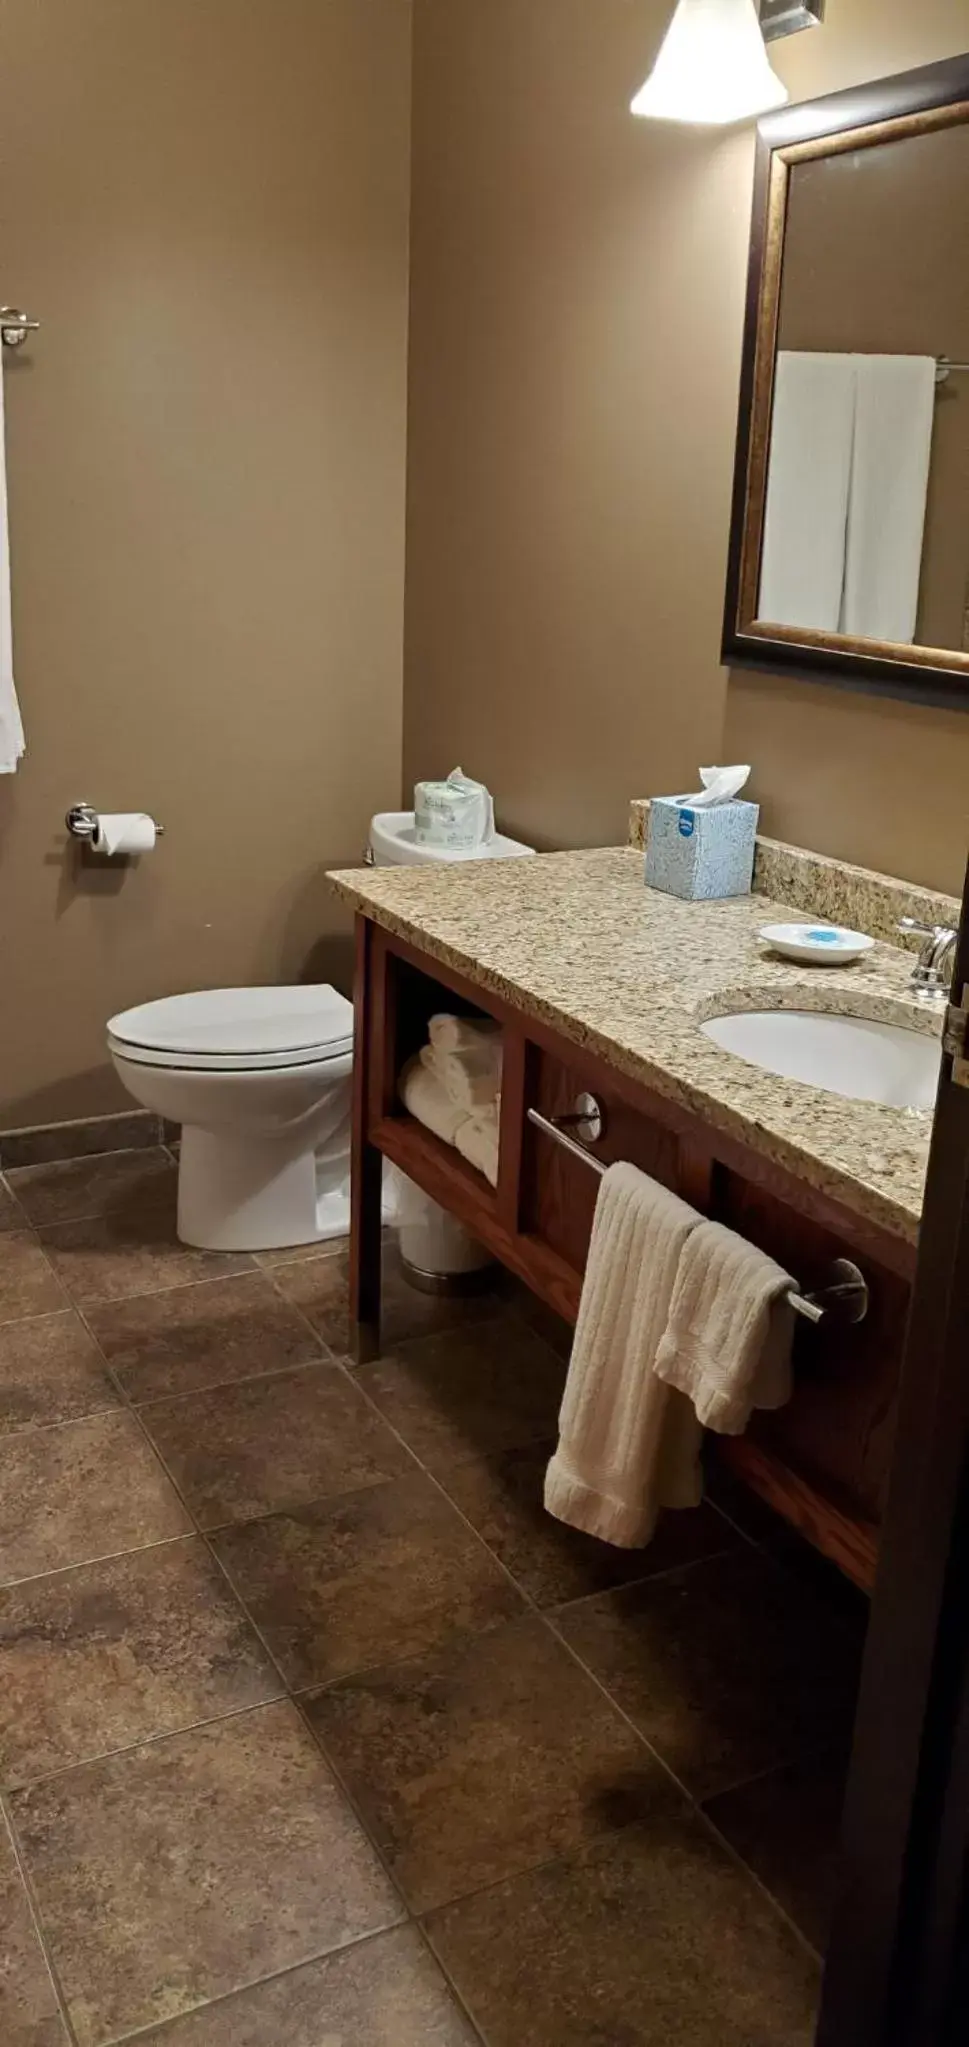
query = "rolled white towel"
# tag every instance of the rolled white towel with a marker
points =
(421, 1092)
(476, 1139)
(460, 1033)
(470, 1079)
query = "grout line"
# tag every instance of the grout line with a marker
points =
(292, 1366)
(163, 2026)
(128, 1748)
(105, 1557)
(477, 2030)
(37, 1921)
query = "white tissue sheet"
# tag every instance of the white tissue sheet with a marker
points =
(720, 785)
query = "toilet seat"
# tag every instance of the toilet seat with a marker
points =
(236, 1030)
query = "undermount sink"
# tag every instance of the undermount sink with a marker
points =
(846, 1055)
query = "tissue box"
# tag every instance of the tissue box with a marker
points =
(701, 854)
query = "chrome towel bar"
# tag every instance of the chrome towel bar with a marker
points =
(843, 1296)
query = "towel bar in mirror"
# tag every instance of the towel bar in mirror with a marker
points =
(849, 539)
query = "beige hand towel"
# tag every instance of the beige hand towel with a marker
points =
(628, 1444)
(728, 1344)
(461, 1033)
(421, 1092)
(477, 1141)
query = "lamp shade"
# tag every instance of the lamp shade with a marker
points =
(712, 67)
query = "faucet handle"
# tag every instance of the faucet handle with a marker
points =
(935, 931)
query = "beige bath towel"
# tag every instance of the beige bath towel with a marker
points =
(728, 1344)
(461, 1033)
(421, 1092)
(477, 1141)
(628, 1444)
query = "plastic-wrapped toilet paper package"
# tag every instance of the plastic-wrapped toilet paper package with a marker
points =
(458, 813)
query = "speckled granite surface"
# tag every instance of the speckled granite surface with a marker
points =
(817, 886)
(577, 940)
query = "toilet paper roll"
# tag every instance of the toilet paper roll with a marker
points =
(124, 831)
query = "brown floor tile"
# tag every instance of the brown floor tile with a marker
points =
(488, 1386)
(191, 1337)
(111, 1182)
(384, 1992)
(27, 1284)
(80, 1491)
(77, 1140)
(50, 1371)
(501, 1495)
(242, 1451)
(111, 1257)
(102, 1657)
(320, 1287)
(28, 2006)
(371, 1578)
(12, 1216)
(658, 1937)
(484, 1758)
(193, 1866)
(787, 1828)
(728, 1667)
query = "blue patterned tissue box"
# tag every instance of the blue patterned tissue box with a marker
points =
(701, 854)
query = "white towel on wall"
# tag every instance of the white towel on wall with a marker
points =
(892, 450)
(628, 1444)
(806, 513)
(11, 728)
(728, 1344)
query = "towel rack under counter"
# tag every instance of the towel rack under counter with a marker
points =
(843, 1293)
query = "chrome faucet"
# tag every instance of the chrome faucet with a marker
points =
(932, 972)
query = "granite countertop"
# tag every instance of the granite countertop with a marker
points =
(576, 940)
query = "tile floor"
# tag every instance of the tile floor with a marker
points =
(314, 1728)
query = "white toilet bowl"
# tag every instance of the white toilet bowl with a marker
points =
(259, 1079)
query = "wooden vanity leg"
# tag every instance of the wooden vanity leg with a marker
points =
(366, 1166)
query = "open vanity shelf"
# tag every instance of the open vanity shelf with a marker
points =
(823, 1460)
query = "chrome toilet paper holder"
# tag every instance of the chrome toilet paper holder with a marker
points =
(82, 822)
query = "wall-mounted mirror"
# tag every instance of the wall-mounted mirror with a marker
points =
(849, 545)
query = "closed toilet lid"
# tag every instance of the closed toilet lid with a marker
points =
(241, 1029)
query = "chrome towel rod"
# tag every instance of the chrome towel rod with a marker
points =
(843, 1297)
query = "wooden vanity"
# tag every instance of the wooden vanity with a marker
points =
(823, 1460)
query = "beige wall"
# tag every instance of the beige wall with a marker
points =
(576, 304)
(206, 203)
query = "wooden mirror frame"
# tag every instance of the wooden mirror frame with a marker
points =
(911, 103)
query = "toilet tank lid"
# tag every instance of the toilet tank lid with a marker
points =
(241, 1021)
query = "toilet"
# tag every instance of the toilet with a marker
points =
(259, 1079)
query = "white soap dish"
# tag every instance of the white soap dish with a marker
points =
(822, 945)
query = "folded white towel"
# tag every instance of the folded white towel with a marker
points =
(477, 1141)
(728, 1344)
(460, 1033)
(11, 729)
(628, 1444)
(472, 1077)
(421, 1092)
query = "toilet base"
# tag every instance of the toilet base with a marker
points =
(257, 1193)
